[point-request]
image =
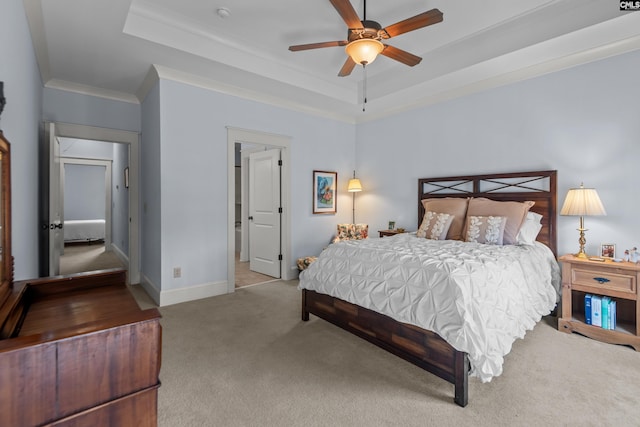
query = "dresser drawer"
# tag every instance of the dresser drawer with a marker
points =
(599, 278)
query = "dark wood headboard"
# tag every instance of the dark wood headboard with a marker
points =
(537, 186)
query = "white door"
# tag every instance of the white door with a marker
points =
(56, 243)
(264, 212)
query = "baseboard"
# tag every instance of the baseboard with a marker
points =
(192, 293)
(150, 288)
(121, 255)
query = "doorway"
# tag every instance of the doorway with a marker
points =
(257, 219)
(55, 133)
(260, 140)
(94, 206)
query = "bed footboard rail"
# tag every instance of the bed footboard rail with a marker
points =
(423, 348)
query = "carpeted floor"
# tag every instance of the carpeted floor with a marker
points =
(78, 258)
(246, 359)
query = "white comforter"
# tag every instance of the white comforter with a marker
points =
(479, 298)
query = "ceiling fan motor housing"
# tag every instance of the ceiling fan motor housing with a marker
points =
(370, 30)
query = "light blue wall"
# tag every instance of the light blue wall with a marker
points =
(86, 149)
(84, 192)
(582, 121)
(194, 176)
(150, 191)
(67, 107)
(20, 123)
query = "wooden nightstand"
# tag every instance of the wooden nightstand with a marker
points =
(618, 280)
(390, 232)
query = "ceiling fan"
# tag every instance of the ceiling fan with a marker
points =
(364, 37)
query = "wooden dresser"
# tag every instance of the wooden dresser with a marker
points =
(74, 350)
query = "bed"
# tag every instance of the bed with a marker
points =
(393, 327)
(86, 230)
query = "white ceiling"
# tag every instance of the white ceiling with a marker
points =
(116, 48)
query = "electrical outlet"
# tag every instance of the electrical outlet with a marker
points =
(177, 272)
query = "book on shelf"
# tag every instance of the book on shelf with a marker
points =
(612, 314)
(596, 310)
(605, 312)
(600, 311)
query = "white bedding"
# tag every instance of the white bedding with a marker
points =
(83, 230)
(479, 298)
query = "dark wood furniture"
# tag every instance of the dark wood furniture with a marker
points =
(421, 347)
(387, 233)
(74, 350)
(618, 280)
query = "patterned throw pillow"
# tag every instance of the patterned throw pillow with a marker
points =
(351, 232)
(515, 212)
(486, 229)
(435, 225)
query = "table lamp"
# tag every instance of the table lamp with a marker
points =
(582, 202)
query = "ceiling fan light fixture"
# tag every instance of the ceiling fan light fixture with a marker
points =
(364, 51)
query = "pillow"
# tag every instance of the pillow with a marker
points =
(486, 229)
(351, 232)
(361, 231)
(454, 206)
(435, 225)
(529, 229)
(515, 212)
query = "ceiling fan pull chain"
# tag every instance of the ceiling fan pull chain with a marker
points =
(364, 86)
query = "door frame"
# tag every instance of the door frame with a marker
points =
(238, 135)
(68, 130)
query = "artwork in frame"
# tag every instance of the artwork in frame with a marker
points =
(608, 250)
(324, 192)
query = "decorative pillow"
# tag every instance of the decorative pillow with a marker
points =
(362, 231)
(529, 229)
(486, 229)
(515, 212)
(454, 206)
(435, 225)
(352, 232)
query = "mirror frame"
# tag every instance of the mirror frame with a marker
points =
(6, 266)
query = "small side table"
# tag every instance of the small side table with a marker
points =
(384, 233)
(617, 280)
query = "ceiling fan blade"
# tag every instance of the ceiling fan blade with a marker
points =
(347, 68)
(400, 55)
(298, 47)
(424, 19)
(347, 12)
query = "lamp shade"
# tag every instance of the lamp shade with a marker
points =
(354, 185)
(364, 51)
(582, 201)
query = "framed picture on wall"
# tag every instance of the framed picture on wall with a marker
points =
(324, 192)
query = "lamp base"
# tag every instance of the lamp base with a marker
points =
(581, 241)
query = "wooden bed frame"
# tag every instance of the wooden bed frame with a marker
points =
(421, 347)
